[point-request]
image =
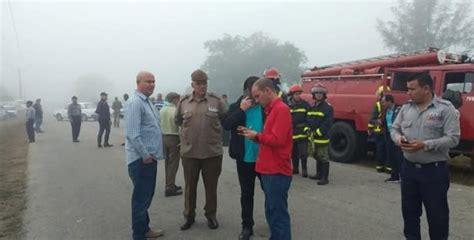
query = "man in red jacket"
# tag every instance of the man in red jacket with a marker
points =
(274, 157)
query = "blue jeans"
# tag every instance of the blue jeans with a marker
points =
(427, 185)
(276, 188)
(143, 177)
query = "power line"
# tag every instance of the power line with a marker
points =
(18, 48)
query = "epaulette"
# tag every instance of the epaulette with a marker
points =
(185, 97)
(213, 95)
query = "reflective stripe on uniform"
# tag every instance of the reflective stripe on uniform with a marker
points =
(301, 110)
(370, 125)
(306, 129)
(318, 131)
(321, 141)
(280, 94)
(320, 114)
(299, 136)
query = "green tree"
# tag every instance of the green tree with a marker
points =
(234, 58)
(420, 24)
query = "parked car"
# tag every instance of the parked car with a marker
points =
(3, 113)
(87, 108)
(11, 110)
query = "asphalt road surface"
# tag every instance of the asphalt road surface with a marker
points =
(77, 191)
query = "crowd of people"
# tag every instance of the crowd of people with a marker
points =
(271, 134)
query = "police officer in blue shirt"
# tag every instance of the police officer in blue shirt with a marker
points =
(426, 128)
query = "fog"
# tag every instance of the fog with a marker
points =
(59, 42)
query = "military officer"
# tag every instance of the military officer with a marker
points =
(199, 114)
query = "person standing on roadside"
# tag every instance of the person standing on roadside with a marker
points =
(199, 114)
(245, 112)
(74, 114)
(103, 112)
(116, 107)
(171, 143)
(30, 121)
(144, 147)
(426, 128)
(38, 116)
(274, 156)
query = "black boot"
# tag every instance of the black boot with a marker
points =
(304, 167)
(324, 174)
(318, 171)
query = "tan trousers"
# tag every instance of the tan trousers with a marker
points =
(210, 169)
(171, 150)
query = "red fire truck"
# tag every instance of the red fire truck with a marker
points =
(352, 87)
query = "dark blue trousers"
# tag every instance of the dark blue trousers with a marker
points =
(143, 177)
(380, 150)
(275, 187)
(394, 155)
(427, 185)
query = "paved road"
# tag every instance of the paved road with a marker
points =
(77, 191)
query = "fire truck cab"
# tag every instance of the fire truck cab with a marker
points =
(352, 87)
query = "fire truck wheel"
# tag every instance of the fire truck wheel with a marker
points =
(343, 142)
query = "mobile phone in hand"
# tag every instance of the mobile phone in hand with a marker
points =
(404, 141)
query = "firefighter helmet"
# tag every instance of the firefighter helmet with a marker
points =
(382, 89)
(295, 88)
(319, 88)
(271, 73)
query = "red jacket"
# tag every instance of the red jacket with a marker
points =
(275, 141)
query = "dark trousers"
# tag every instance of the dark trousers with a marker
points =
(275, 187)
(210, 169)
(427, 185)
(247, 175)
(395, 157)
(380, 150)
(30, 130)
(104, 125)
(299, 152)
(38, 123)
(143, 177)
(76, 122)
(171, 150)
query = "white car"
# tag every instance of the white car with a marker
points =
(87, 109)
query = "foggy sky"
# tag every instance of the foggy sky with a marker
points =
(61, 41)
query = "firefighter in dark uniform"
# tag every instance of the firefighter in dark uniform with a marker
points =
(273, 74)
(320, 118)
(299, 109)
(375, 129)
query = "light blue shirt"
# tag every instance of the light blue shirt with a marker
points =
(253, 120)
(142, 129)
(389, 117)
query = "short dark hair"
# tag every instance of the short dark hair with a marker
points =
(171, 96)
(389, 98)
(29, 102)
(423, 78)
(263, 83)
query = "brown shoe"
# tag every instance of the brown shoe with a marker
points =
(154, 233)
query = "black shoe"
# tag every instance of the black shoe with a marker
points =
(178, 187)
(212, 223)
(108, 145)
(123, 144)
(173, 192)
(304, 173)
(324, 174)
(246, 233)
(99, 145)
(392, 180)
(76, 141)
(187, 225)
(32, 141)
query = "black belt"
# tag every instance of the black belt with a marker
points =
(426, 165)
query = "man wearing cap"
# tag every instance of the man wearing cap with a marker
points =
(30, 121)
(320, 118)
(103, 111)
(199, 114)
(74, 115)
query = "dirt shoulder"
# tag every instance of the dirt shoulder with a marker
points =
(13, 167)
